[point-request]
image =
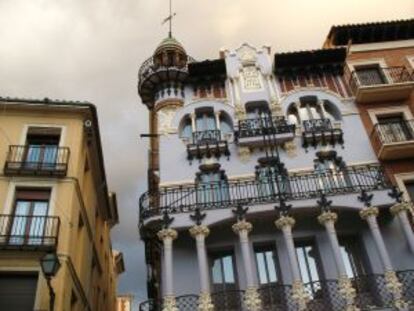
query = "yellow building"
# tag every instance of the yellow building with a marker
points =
(54, 199)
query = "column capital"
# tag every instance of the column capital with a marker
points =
(242, 225)
(327, 216)
(199, 230)
(169, 303)
(285, 221)
(400, 207)
(167, 233)
(369, 211)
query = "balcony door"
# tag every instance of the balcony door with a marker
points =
(29, 217)
(309, 267)
(331, 175)
(370, 75)
(394, 128)
(212, 187)
(42, 146)
(223, 272)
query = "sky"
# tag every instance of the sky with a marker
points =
(91, 50)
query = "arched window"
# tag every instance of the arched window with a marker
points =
(257, 110)
(310, 108)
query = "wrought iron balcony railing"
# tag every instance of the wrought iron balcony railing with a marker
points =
(264, 126)
(320, 131)
(394, 132)
(207, 143)
(372, 294)
(149, 67)
(295, 186)
(379, 76)
(29, 232)
(45, 160)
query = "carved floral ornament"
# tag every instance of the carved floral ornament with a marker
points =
(327, 216)
(285, 221)
(169, 304)
(199, 230)
(368, 212)
(400, 207)
(205, 303)
(252, 299)
(300, 295)
(167, 233)
(395, 288)
(242, 225)
(347, 292)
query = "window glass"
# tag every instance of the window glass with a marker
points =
(306, 254)
(352, 257)
(266, 265)
(223, 273)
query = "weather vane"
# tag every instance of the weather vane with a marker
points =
(169, 19)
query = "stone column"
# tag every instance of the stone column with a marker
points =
(275, 106)
(400, 210)
(252, 298)
(286, 223)
(167, 236)
(321, 105)
(217, 116)
(328, 219)
(369, 214)
(193, 121)
(199, 233)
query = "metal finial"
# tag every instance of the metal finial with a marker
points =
(240, 212)
(169, 20)
(324, 204)
(283, 208)
(366, 198)
(198, 217)
(396, 194)
(166, 220)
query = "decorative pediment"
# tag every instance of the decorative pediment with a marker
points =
(247, 54)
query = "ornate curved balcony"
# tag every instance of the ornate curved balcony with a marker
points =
(320, 132)
(295, 186)
(152, 74)
(256, 132)
(371, 294)
(207, 143)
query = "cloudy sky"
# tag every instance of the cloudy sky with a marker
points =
(91, 50)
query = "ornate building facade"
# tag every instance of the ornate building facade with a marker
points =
(268, 187)
(55, 204)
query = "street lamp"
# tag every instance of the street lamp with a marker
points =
(50, 265)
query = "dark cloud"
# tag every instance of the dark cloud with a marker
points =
(91, 50)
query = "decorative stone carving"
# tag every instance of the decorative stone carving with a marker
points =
(199, 230)
(290, 148)
(299, 295)
(240, 112)
(247, 54)
(244, 154)
(276, 108)
(251, 78)
(395, 288)
(400, 207)
(205, 303)
(242, 225)
(169, 304)
(285, 221)
(347, 292)
(252, 299)
(369, 211)
(327, 216)
(167, 233)
(165, 117)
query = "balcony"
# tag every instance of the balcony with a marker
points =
(295, 186)
(207, 144)
(256, 132)
(394, 140)
(37, 161)
(320, 132)
(371, 294)
(382, 84)
(18, 232)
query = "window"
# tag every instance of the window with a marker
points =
(223, 272)
(352, 256)
(394, 128)
(266, 265)
(331, 171)
(212, 187)
(309, 264)
(42, 147)
(310, 110)
(271, 181)
(29, 216)
(370, 75)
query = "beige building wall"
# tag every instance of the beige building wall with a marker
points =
(87, 278)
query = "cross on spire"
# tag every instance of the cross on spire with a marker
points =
(169, 20)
